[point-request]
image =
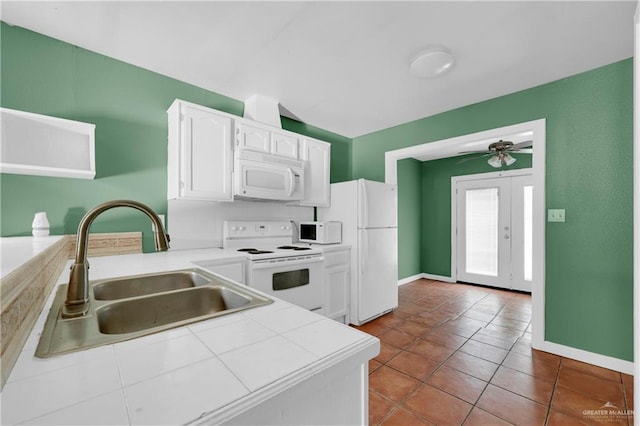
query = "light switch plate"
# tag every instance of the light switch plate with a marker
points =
(555, 215)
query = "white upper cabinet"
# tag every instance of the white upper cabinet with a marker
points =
(253, 137)
(260, 138)
(35, 144)
(317, 155)
(284, 145)
(200, 156)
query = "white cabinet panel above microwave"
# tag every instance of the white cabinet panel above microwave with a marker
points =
(253, 138)
(257, 138)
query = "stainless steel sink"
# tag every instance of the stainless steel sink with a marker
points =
(144, 313)
(146, 284)
(128, 307)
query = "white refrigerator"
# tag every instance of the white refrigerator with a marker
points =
(368, 212)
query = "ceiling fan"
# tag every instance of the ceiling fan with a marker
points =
(499, 152)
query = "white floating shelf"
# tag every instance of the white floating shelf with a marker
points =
(35, 144)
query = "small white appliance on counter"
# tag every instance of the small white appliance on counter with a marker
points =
(368, 212)
(261, 176)
(293, 273)
(320, 232)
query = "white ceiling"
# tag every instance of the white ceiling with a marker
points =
(344, 66)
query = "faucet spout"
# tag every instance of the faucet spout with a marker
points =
(77, 302)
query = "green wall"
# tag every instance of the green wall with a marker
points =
(589, 268)
(409, 217)
(128, 106)
(436, 206)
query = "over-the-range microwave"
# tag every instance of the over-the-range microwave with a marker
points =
(320, 232)
(261, 176)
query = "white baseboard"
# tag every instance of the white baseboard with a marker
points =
(409, 279)
(603, 361)
(438, 278)
(426, 277)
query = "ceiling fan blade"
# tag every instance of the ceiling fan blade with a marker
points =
(520, 145)
(464, 160)
(473, 152)
(522, 151)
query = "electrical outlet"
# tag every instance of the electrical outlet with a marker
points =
(555, 215)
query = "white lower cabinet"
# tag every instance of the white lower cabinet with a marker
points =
(337, 396)
(337, 283)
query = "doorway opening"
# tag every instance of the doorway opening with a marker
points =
(536, 131)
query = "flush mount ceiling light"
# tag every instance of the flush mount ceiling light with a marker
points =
(433, 62)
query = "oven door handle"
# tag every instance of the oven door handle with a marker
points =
(266, 264)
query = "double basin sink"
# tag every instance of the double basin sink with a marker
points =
(129, 307)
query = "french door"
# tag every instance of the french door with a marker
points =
(494, 231)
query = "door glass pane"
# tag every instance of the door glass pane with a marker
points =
(482, 231)
(528, 231)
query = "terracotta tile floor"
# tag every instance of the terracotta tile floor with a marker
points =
(455, 354)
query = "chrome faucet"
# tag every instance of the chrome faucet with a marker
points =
(77, 302)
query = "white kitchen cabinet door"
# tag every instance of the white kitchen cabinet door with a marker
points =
(284, 145)
(317, 155)
(200, 157)
(253, 137)
(337, 285)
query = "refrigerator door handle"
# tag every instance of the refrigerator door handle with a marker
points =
(365, 249)
(365, 205)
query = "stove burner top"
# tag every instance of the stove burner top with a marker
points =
(254, 251)
(294, 248)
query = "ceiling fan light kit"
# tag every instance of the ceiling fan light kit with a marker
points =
(501, 159)
(432, 62)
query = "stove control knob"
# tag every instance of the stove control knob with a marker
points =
(242, 228)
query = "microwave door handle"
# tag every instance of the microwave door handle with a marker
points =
(268, 264)
(291, 182)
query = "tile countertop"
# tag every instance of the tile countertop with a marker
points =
(210, 370)
(15, 251)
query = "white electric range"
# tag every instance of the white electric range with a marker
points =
(292, 272)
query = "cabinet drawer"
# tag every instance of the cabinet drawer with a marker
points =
(341, 257)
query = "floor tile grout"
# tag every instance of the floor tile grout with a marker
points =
(493, 300)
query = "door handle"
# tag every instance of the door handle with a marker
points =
(365, 249)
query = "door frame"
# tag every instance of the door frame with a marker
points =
(451, 147)
(454, 208)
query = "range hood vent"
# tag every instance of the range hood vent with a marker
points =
(263, 109)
